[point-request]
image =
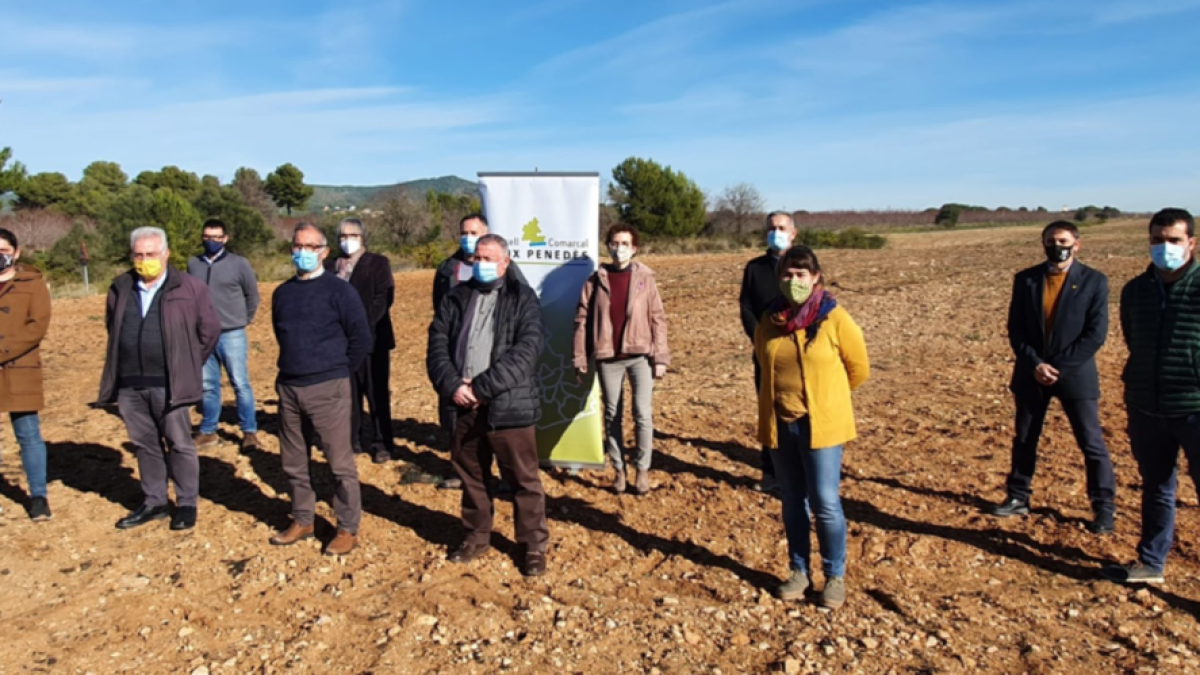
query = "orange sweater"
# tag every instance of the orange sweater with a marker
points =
(1051, 292)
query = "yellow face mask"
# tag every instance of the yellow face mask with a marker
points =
(148, 269)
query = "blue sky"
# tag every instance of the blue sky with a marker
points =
(819, 104)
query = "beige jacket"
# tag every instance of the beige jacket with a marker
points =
(645, 323)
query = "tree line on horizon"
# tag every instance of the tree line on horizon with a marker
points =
(62, 220)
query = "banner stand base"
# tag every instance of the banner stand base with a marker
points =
(573, 467)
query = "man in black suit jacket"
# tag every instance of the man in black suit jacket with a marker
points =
(371, 275)
(1057, 321)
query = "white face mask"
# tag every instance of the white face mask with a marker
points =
(350, 246)
(620, 254)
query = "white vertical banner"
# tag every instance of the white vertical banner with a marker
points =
(552, 223)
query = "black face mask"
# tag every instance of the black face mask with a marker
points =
(1057, 254)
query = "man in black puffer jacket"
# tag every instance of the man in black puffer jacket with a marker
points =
(1160, 321)
(484, 345)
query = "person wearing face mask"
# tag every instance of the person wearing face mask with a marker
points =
(455, 270)
(234, 289)
(760, 288)
(324, 337)
(1160, 321)
(162, 327)
(1057, 321)
(24, 318)
(484, 345)
(370, 274)
(620, 325)
(812, 355)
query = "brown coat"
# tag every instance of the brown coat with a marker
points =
(190, 330)
(24, 318)
(645, 322)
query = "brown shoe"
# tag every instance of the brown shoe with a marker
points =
(205, 440)
(641, 485)
(535, 564)
(250, 441)
(467, 552)
(619, 481)
(342, 544)
(295, 532)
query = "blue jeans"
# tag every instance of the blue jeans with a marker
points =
(1155, 442)
(811, 477)
(231, 352)
(28, 430)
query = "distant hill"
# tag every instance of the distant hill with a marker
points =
(360, 196)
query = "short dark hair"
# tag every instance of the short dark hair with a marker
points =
(7, 235)
(618, 229)
(213, 224)
(1168, 217)
(495, 240)
(1061, 226)
(799, 257)
(474, 216)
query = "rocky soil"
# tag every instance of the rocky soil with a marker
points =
(678, 581)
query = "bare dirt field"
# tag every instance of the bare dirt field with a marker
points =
(678, 581)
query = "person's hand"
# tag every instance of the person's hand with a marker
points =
(660, 371)
(464, 397)
(580, 373)
(1045, 374)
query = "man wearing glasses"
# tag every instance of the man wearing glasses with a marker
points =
(323, 337)
(370, 275)
(161, 327)
(234, 290)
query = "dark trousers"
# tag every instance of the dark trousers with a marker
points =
(372, 426)
(1155, 442)
(768, 464)
(1084, 417)
(515, 450)
(148, 421)
(326, 406)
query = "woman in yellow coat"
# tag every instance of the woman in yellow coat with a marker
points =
(812, 355)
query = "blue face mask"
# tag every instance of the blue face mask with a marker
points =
(468, 243)
(486, 272)
(778, 241)
(305, 260)
(1168, 257)
(211, 248)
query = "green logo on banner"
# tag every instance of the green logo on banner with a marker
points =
(533, 233)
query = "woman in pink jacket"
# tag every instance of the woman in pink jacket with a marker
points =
(621, 326)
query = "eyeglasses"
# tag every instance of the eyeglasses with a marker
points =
(308, 247)
(207, 237)
(147, 256)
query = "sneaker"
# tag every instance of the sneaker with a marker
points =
(1011, 507)
(39, 510)
(834, 593)
(795, 587)
(1135, 573)
(205, 440)
(641, 484)
(381, 455)
(1102, 524)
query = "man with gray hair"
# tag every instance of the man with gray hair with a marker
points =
(162, 327)
(484, 345)
(370, 275)
(760, 287)
(323, 338)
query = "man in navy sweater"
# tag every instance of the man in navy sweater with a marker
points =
(323, 336)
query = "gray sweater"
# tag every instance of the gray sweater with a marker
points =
(233, 287)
